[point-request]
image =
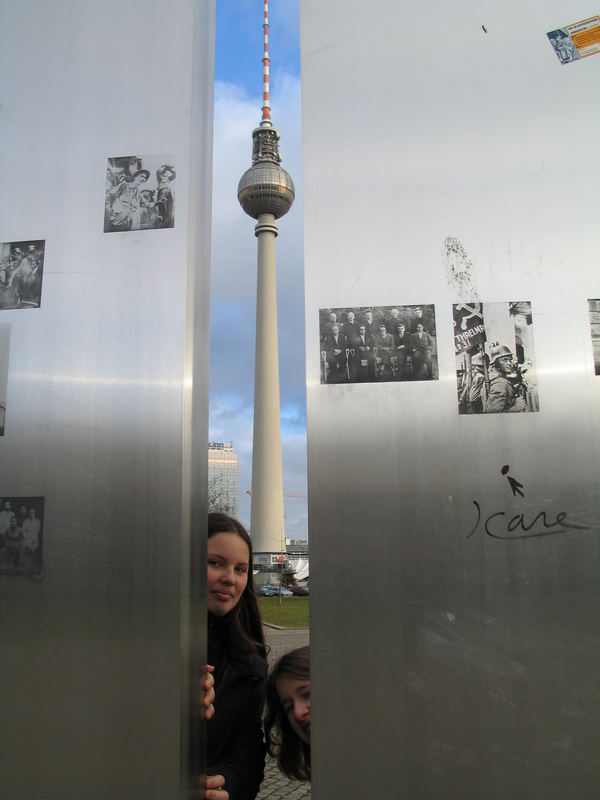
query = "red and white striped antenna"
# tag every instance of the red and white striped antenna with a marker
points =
(266, 105)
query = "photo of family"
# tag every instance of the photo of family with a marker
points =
(21, 268)
(495, 358)
(140, 193)
(368, 344)
(21, 527)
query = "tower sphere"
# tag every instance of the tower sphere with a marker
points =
(266, 188)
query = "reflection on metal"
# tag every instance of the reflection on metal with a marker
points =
(105, 439)
(454, 557)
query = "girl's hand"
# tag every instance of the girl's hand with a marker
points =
(213, 788)
(207, 692)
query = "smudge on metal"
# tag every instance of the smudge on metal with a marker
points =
(460, 270)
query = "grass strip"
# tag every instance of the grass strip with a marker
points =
(292, 613)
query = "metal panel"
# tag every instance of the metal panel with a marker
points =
(98, 379)
(448, 663)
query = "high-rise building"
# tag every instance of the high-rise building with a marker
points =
(266, 192)
(223, 489)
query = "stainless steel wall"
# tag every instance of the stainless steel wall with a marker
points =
(106, 395)
(447, 662)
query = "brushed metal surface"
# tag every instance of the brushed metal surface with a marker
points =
(447, 663)
(91, 668)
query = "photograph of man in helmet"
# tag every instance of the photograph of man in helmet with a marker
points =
(495, 358)
(476, 392)
(503, 394)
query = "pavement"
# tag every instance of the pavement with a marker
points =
(282, 640)
(275, 785)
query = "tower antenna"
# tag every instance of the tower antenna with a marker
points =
(266, 106)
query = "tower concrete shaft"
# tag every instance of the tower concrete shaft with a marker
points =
(267, 521)
(266, 192)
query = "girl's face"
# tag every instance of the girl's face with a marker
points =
(228, 565)
(294, 695)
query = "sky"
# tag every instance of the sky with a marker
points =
(238, 98)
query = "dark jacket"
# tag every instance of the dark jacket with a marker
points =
(236, 747)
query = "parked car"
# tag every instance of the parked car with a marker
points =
(286, 592)
(300, 591)
(268, 590)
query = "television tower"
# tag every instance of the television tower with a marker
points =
(266, 192)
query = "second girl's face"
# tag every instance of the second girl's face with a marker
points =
(228, 565)
(295, 698)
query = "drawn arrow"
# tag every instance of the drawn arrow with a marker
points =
(512, 482)
(515, 486)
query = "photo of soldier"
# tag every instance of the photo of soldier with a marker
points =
(495, 358)
(480, 363)
(21, 270)
(21, 525)
(139, 193)
(503, 394)
(375, 343)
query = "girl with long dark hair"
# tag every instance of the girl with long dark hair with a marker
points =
(287, 720)
(236, 649)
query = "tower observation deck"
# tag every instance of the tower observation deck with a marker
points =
(266, 188)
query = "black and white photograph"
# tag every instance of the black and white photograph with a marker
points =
(495, 358)
(594, 311)
(4, 354)
(563, 45)
(21, 269)
(140, 193)
(21, 529)
(577, 40)
(371, 344)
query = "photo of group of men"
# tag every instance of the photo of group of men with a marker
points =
(495, 358)
(21, 524)
(140, 193)
(21, 269)
(366, 344)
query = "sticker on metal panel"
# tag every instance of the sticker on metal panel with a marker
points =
(576, 41)
(594, 312)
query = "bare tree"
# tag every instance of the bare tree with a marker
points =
(288, 577)
(218, 500)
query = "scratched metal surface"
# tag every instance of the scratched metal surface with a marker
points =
(90, 664)
(444, 664)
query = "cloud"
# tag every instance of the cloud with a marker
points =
(233, 292)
